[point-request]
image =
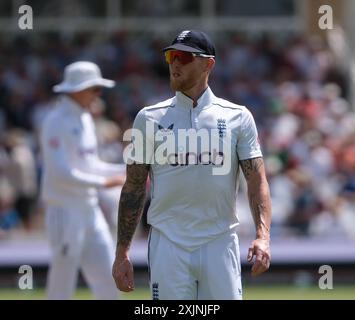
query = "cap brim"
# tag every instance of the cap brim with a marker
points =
(182, 47)
(65, 87)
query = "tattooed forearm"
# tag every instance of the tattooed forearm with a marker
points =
(131, 203)
(260, 212)
(251, 166)
(258, 194)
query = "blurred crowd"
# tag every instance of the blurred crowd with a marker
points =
(292, 85)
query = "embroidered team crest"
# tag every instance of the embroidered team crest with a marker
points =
(222, 127)
(182, 35)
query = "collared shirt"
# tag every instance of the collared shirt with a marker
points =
(72, 168)
(190, 203)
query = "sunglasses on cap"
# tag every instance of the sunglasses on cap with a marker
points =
(183, 56)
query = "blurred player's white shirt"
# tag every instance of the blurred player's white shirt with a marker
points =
(189, 205)
(72, 168)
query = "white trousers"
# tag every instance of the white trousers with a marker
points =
(80, 240)
(211, 272)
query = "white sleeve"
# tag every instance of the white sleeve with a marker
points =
(248, 143)
(57, 159)
(98, 166)
(106, 168)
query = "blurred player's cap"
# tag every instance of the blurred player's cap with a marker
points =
(193, 41)
(80, 76)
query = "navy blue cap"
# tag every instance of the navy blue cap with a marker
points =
(193, 41)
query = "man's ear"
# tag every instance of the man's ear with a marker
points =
(210, 64)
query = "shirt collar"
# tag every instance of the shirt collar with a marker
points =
(204, 101)
(72, 105)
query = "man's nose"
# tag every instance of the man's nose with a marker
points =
(176, 60)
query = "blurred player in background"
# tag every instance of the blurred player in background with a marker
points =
(78, 233)
(193, 245)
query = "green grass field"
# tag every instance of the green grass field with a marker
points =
(265, 292)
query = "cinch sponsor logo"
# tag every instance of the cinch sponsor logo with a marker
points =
(205, 158)
(181, 147)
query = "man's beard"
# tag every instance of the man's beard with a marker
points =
(181, 84)
(176, 84)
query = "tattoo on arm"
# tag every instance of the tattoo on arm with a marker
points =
(131, 202)
(251, 166)
(258, 194)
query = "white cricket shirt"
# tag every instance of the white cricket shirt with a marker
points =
(72, 168)
(189, 204)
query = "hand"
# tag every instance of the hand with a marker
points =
(122, 272)
(114, 181)
(260, 248)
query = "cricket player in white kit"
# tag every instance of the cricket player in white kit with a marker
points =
(78, 233)
(193, 245)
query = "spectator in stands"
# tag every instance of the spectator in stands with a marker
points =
(21, 173)
(9, 218)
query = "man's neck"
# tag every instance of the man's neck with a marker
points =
(196, 92)
(78, 101)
